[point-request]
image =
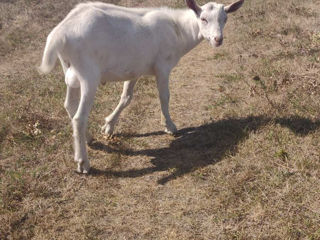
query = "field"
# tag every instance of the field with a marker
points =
(245, 163)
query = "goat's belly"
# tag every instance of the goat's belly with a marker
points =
(111, 76)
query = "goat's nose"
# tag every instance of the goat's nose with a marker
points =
(218, 39)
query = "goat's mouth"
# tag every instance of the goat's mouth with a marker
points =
(216, 43)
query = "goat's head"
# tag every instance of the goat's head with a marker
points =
(212, 18)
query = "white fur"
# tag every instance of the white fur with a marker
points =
(100, 42)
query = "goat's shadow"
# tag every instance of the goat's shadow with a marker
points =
(200, 146)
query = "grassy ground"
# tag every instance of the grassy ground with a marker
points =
(245, 164)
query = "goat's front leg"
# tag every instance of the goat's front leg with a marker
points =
(125, 100)
(164, 94)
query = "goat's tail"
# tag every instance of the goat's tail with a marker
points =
(54, 45)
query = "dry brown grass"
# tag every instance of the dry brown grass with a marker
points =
(245, 164)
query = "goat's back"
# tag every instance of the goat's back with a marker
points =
(123, 42)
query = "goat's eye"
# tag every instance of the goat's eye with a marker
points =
(204, 21)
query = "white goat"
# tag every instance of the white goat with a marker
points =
(100, 42)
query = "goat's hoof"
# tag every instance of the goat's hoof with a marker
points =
(107, 130)
(83, 167)
(86, 171)
(172, 130)
(81, 170)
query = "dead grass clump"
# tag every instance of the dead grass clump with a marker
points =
(13, 190)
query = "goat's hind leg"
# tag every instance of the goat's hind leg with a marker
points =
(125, 100)
(89, 84)
(71, 103)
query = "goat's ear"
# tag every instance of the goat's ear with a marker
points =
(234, 6)
(194, 6)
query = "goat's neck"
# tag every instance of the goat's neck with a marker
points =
(189, 30)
